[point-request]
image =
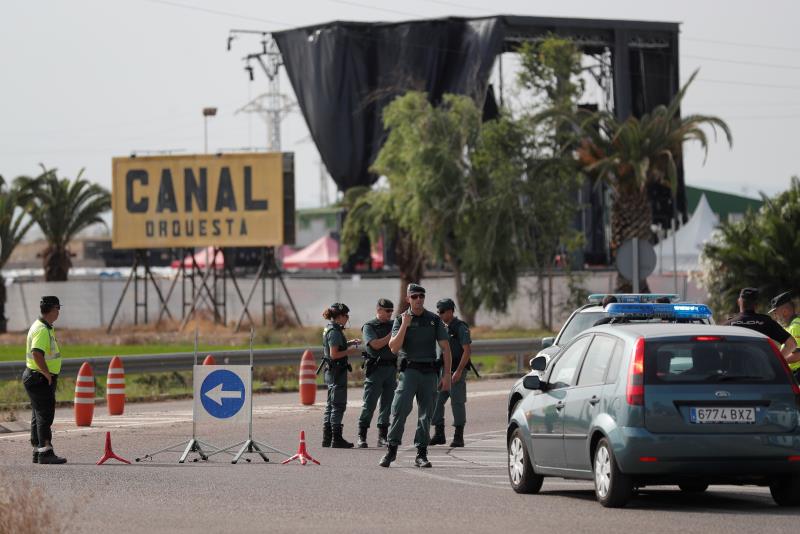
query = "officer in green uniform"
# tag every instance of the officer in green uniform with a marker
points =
(380, 370)
(460, 349)
(783, 307)
(335, 350)
(42, 365)
(415, 335)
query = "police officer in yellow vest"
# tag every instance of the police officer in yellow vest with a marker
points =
(783, 308)
(42, 366)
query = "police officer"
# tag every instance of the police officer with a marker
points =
(460, 349)
(335, 350)
(42, 365)
(748, 318)
(380, 373)
(415, 335)
(783, 307)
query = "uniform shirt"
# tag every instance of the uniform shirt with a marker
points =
(333, 336)
(760, 323)
(422, 335)
(458, 335)
(42, 336)
(794, 331)
(370, 334)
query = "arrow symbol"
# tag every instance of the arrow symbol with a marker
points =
(217, 394)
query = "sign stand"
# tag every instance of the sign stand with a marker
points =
(251, 446)
(193, 445)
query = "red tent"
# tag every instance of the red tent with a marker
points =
(203, 258)
(324, 254)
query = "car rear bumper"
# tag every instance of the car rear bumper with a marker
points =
(639, 452)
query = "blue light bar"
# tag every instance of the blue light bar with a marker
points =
(597, 298)
(663, 311)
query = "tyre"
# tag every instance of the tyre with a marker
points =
(693, 487)
(520, 469)
(786, 491)
(612, 487)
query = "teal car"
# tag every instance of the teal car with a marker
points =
(642, 404)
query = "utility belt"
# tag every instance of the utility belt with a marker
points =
(425, 367)
(334, 365)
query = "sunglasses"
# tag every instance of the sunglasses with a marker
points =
(417, 296)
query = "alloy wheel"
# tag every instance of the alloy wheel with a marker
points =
(602, 471)
(516, 461)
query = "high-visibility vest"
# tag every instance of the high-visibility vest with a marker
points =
(43, 337)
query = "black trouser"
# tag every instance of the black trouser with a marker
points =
(43, 405)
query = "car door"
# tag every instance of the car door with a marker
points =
(545, 417)
(584, 401)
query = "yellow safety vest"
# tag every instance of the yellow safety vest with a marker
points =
(43, 337)
(794, 330)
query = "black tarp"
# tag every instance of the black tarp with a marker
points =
(344, 73)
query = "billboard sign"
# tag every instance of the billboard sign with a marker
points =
(224, 200)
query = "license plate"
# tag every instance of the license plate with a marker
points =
(727, 415)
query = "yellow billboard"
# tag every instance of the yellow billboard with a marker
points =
(225, 200)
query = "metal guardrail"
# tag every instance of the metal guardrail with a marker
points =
(182, 361)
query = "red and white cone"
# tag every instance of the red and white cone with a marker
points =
(84, 396)
(308, 379)
(302, 453)
(109, 453)
(115, 387)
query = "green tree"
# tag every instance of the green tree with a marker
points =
(762, 250)
(62, 208)
(632, 154)
(13, 226)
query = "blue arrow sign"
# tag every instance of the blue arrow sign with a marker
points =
(222, 394)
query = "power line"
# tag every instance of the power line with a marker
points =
(218, 12)
(367, 6)
(749, 84)
(743, 45)
(739, 62)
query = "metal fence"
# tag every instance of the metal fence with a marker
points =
(522, 349)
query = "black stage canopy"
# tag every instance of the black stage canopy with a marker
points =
(344, 73)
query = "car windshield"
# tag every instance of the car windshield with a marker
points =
(580, 321)
(706, 362)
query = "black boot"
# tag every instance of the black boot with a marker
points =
(458, 438)
(389, 457)
(35, 456)
(362, 437)
(422, 457)
(338, 442)
(49, 457)
(383, 433)
(326, 435)
(438, 436)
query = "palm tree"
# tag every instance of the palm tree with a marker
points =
(13, 227)
(62, 208)
(632, 155)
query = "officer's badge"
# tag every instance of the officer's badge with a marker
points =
(432, 323)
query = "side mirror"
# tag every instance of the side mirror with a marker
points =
(532, 382)
(539, 363)
(548, 342)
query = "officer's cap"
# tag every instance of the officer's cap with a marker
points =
(748, 293)
(339, 308)
(414, 289)
(386, 304)
(445, 304)
(50, 301)
(780, 300)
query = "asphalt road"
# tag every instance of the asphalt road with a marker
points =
(465, 491)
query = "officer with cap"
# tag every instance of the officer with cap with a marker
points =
(42, 366)
(783, 307)
(415, 335)
(335, 350)
(748, 318)
(380, 370)
(460, 349)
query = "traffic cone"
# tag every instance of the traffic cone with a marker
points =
(115, 387)
(209, 360)
(109, 454)
(84, 396)
(308, 379)
(302, 453)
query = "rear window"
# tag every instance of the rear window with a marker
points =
(707, 362)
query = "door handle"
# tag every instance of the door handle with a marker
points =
(560, 405)
(594, 400)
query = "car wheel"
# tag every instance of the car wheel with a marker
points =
(693, 487)
(786, 491)
(520, 469)
(612, 487)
